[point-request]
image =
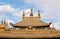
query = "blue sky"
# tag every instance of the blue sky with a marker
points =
(12, 10)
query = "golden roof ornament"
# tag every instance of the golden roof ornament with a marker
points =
(23, 13)
(38, 13)
(31, 13)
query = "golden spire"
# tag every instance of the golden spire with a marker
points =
(31, 13)
(38, 13)
(2, 21)
(23, 14)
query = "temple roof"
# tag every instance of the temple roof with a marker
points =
(2, 26)
(30, 24)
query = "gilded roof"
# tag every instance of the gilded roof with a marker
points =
(30, 24)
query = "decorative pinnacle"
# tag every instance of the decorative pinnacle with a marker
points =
(38, 13)
(23, 13)
(31, 14)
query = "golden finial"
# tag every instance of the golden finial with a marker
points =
(2, 21)
(23, 13)
(38, 13)
(31, 13)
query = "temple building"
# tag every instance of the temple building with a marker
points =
(31, 22)
(4, 25)
(30, 27)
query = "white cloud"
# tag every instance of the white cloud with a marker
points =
(7, 8)
(19, 14)
(34, 2)
(57, 25)
(9, 21)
